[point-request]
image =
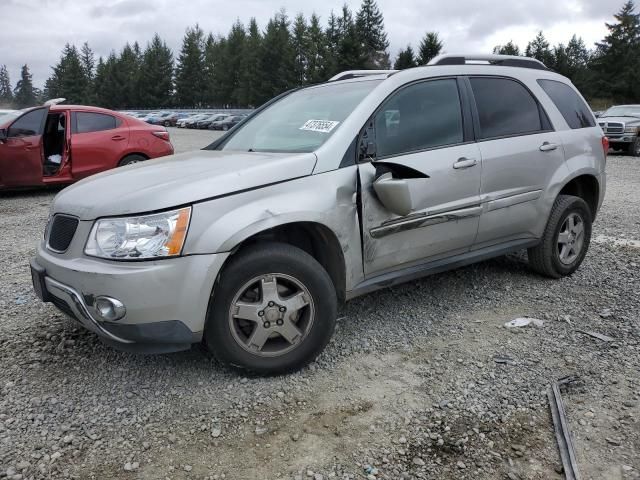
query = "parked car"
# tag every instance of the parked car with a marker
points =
(251, 242)
(226, 123)
(206, 122)
(621, 125)
(158, 118)
(193, 121)
(181, 122)
(60, 144)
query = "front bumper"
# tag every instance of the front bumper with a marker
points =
(621, 138)
(166, 300)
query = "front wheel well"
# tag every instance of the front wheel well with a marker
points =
(316, 239)
(585, 187)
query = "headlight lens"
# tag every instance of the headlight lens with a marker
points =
(133, 238)
(632, 129)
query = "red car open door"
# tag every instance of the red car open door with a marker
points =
(21, 154)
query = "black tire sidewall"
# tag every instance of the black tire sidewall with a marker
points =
(128, 160)
(580, 207)
(634, 148)
(271, 258)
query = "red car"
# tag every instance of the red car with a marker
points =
(61, 144)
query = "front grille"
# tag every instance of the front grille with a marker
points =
(612, 127)
(61, 232)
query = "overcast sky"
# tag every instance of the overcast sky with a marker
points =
(35, 31)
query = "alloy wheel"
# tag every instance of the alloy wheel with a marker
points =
(271, 314)
(570, 238)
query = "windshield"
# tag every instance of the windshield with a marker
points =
(623, 111)
(7, 116)
(301, 121)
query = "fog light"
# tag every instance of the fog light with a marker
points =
(109, 308)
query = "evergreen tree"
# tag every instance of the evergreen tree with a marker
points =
(332, 38)
(370, 30)
(250, 66)
(560, 60)
(229, 76)
(127, 73)
(156, 75)
(539, 49)
(87, 61)
(190, 78)
(68, 80)
(6, 93)
(351, 54)
(108, 82)
(277, 58)
(300, 45)
(24, 93)
(617, 57)
(430, 47)
(317, 54)
(211, 65)
(508, 48)
(406, 59)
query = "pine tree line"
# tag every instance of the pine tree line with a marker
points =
(249, 66)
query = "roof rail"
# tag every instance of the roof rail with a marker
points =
(359, 73)
(500, 60)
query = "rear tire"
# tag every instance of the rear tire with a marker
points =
(167, 123)
(565, 240)
(253, 302)
(131, 159)
(634, 148)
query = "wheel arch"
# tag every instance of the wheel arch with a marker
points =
(314, 238)
(585, 186)
(129, 154)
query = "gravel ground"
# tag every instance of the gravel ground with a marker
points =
(420, 381)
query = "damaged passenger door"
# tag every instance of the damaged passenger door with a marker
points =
(21, 151)
(420, 177)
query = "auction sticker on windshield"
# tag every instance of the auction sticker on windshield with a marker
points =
(322, 126)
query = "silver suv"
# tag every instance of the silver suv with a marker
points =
(323, 194)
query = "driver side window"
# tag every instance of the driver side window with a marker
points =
(29, 124)
(419, 117)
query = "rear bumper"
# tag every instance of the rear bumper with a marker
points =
(166, 301)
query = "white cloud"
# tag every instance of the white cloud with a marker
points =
(35, 31)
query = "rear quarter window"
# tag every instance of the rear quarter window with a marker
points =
(506, 108)
(575, 112)
(86, 122)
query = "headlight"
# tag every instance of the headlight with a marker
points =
(631, 129)
(146, 236)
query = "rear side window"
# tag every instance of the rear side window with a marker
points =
(94, 122)
(505, 108)
(575, 112)
(29, 124)
(420, 116)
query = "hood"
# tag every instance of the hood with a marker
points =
(178, 180)
(624, 120)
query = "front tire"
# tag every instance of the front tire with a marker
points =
(565, 240)
(273, 310)
(225, 128)
(634, 148)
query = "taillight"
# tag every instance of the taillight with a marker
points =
(605, 145)
(163, 134)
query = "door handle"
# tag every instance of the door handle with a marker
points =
(547, 147)
(117, 137)
(465, 163)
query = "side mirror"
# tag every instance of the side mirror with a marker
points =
(394, 194)
(3, 135)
